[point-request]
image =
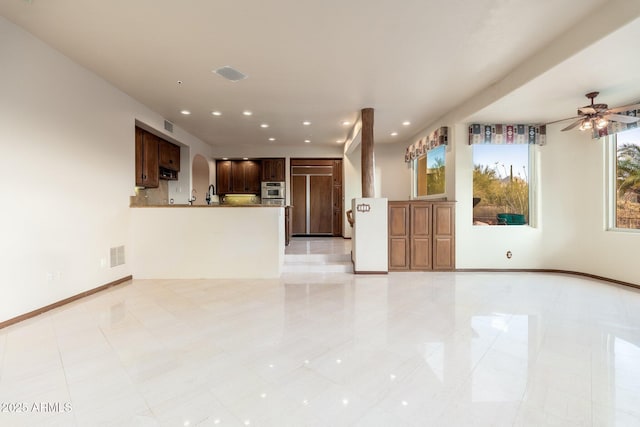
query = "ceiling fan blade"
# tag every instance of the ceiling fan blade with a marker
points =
(572, 125)
(587, 110)
(621, 118)
(562, 120)
(624, 108)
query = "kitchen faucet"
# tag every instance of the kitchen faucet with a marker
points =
(212, 190)
(193, 197)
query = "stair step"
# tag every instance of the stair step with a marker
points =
(316, 258)
(318, 267)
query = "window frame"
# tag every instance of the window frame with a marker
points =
(414, 176)
(611, 196)
(532, 170)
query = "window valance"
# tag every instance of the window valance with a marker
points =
(507, 134)
(615, 127)
(438, 137)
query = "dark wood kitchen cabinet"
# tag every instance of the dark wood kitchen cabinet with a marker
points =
(223, 177)
(169, 155)
(421, 235)
(273, 170)
(147, 167)
(238, 177)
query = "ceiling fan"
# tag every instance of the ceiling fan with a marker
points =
(599, 115)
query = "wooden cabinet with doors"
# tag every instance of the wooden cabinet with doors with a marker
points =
(273, 170)
(238, 177)
(169, 156)
(155, 159)
(421, 235)
(398, 217)
(147, 169)
(223, 177)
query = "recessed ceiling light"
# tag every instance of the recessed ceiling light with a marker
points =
(216, 113)
(394, 133)
(272, 139)
(247, 113)
(406, 123)
(264, 125)
(306, 123)
(346, 123)
(185, 112)
(225, 158)
(339, 141)
(179, 82)
(245, 158)
(308, 141)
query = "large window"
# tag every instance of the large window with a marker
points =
(430, 172)
(627, 183)
(501, 184)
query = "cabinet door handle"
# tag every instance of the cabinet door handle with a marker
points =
(170, 161)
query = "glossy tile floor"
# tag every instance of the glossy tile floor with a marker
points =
(405, 349)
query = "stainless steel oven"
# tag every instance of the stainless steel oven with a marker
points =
(272, 190)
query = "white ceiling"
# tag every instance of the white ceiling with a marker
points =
(325, 60)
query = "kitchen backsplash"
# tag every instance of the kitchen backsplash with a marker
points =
(151, 196)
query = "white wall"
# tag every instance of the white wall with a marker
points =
(393, 175)
(485, 246)
(573, 210)
(206, 242)
(67, 140)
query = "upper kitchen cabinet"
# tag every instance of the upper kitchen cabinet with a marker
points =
(223, 176)
(147, 168)
(238, 176)
(273, 170)
(155, 159)
(169, 156)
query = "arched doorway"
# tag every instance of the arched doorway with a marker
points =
(200, 179)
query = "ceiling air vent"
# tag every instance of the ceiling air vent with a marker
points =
(230, 73)
(168, 126)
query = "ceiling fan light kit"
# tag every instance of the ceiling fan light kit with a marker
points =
(596, 117)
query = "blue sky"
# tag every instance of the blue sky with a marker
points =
(630, 136)
(516, 155)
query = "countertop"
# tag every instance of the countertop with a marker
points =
(212, 206)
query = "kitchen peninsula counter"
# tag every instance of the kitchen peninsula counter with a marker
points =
(199, 243)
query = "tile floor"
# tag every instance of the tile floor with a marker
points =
(405, 349)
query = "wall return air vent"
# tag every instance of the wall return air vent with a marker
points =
(230, 73)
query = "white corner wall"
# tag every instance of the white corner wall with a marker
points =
(68, 146)
(575, 236)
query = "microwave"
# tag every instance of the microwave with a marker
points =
(272, 190)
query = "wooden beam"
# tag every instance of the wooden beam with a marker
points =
(367, 153)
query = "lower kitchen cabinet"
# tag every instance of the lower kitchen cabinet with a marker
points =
(421, 235)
